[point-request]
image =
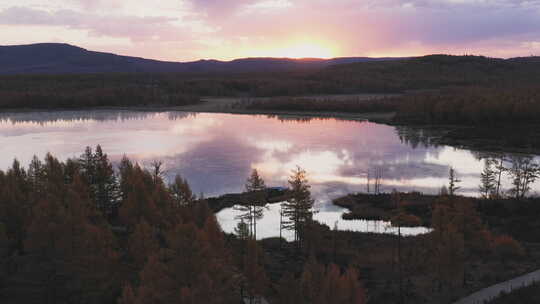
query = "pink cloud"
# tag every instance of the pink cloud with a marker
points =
(222, 28)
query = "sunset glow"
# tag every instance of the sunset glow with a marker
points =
(306, 50)
(185, 30)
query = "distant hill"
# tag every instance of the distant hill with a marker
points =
(56, 58)
(433, 72)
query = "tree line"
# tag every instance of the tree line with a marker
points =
(302, 104)
(471, 106)
(76, 91)
(396, 76)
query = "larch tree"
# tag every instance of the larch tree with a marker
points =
(475, 237)
(253, 207)
(458, 236)
(192, 265)
(139, 203)
(500, 169)
(488, 180)
(15, 203)
(142, 243)
(321, 285)
(76, 255)
(256, 281)
(181, 192)
(298, 209)
(524, 172)
(289, 291)
(447, 247)
(453, 182)
(36, 178)
(242, 230)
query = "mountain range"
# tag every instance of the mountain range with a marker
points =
(58, 58)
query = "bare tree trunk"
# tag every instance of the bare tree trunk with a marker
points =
(368, 181)
(280, 226)
(500, 175)
(254, 222)
(399, 265)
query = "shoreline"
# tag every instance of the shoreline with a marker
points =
(457, 136)
(212, 107)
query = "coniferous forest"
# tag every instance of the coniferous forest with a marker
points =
(85, 231)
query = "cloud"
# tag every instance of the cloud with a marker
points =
(134, 27)
(265, 6)
(218, 8)
(223, 29)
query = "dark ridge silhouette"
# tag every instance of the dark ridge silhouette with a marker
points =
(57, 58)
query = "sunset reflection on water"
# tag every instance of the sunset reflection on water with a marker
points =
(216, 152)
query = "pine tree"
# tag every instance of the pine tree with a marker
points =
(100, 176)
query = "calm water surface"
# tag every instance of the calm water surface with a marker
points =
(216, 152)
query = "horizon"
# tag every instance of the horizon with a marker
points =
(262, 57)
(190, 30)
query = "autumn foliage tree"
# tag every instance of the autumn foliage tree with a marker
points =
(321, 284)
(256, 282)
(67, 246)
(506, 248)
(190, 269)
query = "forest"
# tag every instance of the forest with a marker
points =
(325, 104)
(475, 242)
(66, 91)
(83, 231)
(433, 72)
(86, 230)
(471, 106)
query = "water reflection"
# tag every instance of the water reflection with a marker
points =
(216, 152)
(51, 117)
(268, 225)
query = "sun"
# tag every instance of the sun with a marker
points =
(290, 48)
(307, 50)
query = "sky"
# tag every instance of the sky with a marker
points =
(186, 30)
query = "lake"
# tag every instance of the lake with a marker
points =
(216, 153)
